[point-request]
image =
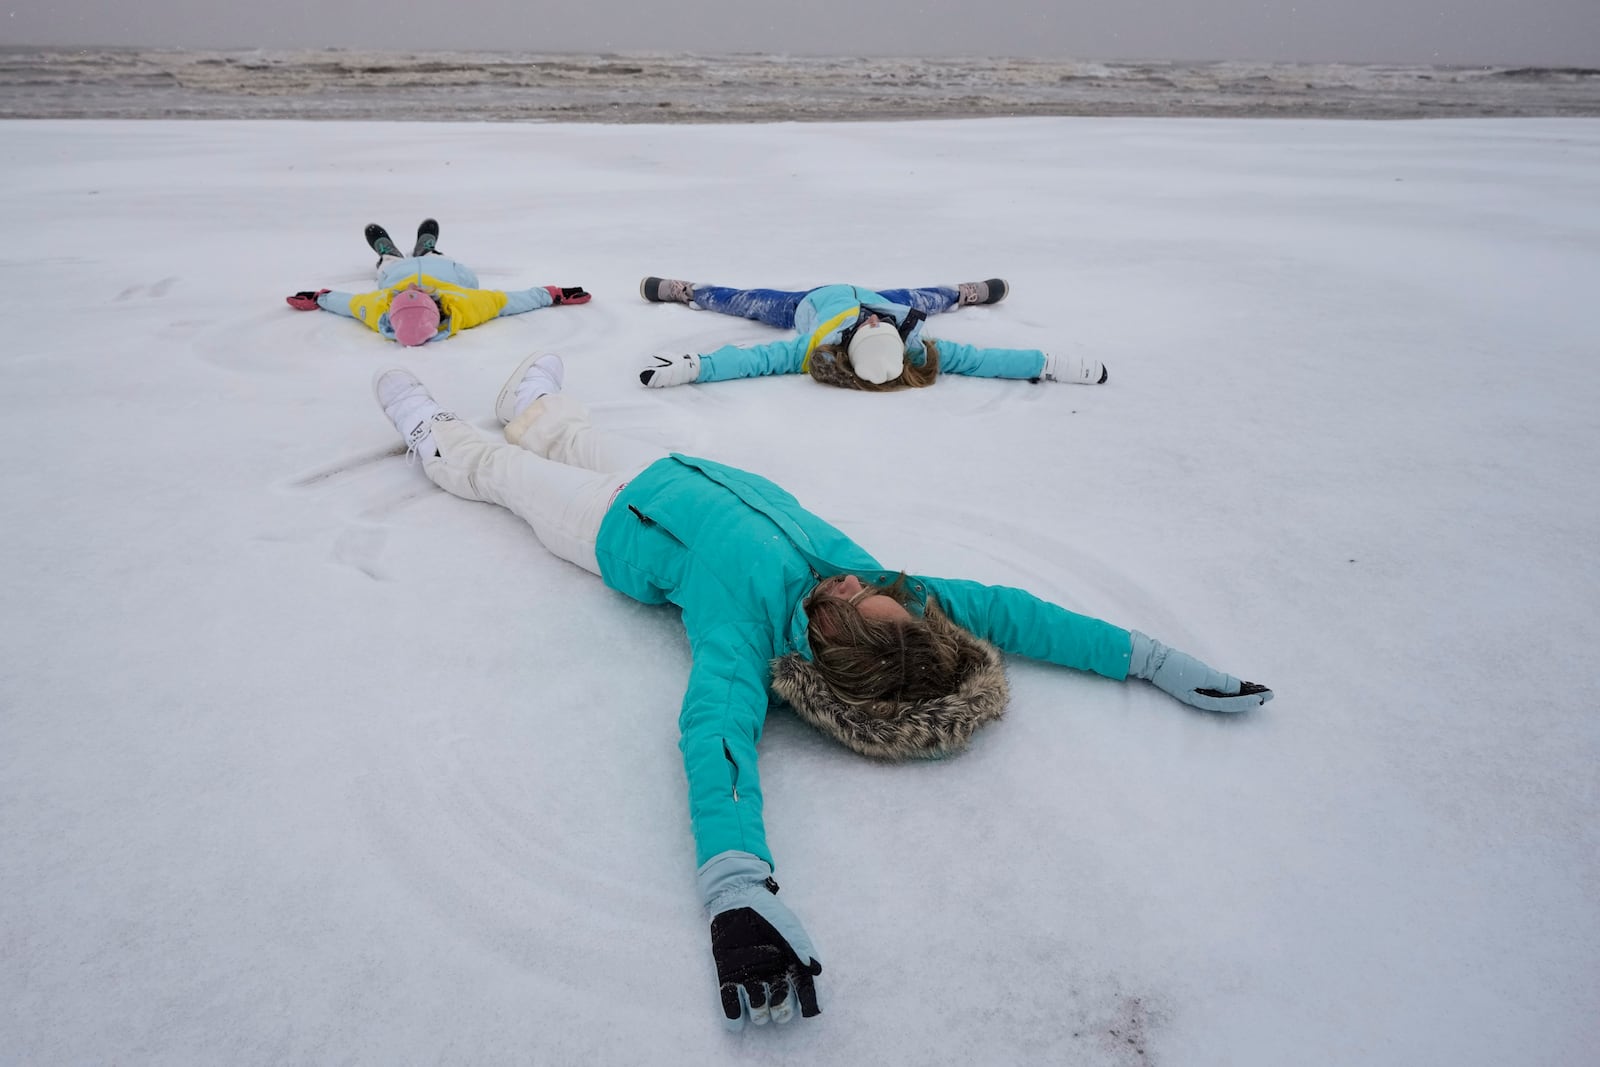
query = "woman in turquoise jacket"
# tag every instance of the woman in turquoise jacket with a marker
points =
(853, 337)
(776, 600)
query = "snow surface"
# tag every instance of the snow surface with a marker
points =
(304, 761)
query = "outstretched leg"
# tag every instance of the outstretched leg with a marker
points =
(939, 298)
(775, 307)
(563, 504)
(540, 419)
(557, 427)
(930, 301)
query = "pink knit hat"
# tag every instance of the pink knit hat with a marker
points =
(414, 316)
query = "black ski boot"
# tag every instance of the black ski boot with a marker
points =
(427, 237)
(381, 242)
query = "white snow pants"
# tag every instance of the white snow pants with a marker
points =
(559, 475)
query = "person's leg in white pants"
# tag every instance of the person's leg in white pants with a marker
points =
(557, 427)
(560, 481)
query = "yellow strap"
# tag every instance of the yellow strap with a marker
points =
(824, 330)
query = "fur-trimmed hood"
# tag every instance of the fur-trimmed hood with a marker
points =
(888, 730)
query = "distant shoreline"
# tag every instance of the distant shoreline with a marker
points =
(344, 84)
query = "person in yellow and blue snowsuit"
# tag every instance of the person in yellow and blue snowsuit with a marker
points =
(421, 299)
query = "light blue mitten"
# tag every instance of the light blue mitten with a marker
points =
(1185, 678)
(765, 961)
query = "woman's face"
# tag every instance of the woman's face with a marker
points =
(867, 601)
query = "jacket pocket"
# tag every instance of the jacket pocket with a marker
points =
(733, 771)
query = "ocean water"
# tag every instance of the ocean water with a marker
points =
(502, 86)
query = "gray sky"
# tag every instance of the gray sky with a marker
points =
(1531, 32)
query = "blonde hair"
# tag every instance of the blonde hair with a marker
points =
(830, 365)
(882, 664)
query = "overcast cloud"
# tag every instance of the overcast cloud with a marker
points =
(1529, 32)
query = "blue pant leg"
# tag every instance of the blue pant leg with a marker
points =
(928, 301)
(774, 307)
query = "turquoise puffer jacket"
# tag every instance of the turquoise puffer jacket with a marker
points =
(823, 317)
(739, 555)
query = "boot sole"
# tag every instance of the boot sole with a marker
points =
(508, 392)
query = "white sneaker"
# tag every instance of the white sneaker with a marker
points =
(1074, 370)
(410, 407)
(539, 374)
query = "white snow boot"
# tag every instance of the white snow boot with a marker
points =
(411, 408)
(539, 374)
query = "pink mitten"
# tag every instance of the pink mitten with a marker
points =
(306, 299)
(568, 294)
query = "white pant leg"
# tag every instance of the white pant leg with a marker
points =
(557, 427)
(563, 504)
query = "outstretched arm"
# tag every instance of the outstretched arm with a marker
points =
(957, 358)
(519, 301)
(1029, 363)
(338, 303)
(729, 361)
(765, 961)
(732, 361)
(1022, 624)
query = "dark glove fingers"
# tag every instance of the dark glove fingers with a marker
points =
(1230, 702)
(731, 1007)
(806, 990)
(756, 998)
(782, 1004)
(1245, 689)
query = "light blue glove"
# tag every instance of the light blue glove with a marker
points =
(765, 961)
(1180, 675)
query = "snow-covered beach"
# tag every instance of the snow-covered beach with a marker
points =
(304, 761)
(478, 86)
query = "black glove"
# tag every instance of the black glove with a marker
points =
(761, 950)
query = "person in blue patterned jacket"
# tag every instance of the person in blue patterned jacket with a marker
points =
(775, 601)
(853, 337)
